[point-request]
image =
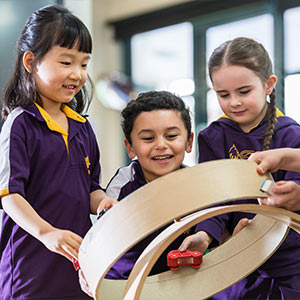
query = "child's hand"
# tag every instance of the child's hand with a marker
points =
(269, 160)
(286, 195)
(240, 225)
(106, 203)
(198, 241)
(63, 242)
(83, 284)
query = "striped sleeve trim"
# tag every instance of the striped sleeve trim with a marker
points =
(123, 176)
(4, 151)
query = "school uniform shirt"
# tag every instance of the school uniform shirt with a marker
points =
(55, 172)
(125, 181)
(224, 139)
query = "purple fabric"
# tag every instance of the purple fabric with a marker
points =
(258, 287)
(224, 139)
(57, 186)
(126, 181)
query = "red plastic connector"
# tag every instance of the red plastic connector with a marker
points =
(75, 264)
(176, 258)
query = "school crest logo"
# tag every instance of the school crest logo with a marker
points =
(235, 154)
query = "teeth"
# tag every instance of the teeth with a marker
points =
(161, 157)
(70, 86)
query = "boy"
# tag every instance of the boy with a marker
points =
(157, 129)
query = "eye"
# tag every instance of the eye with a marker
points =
(244, 92)
(66, 63)
(223, 95)
(148, 138)
(172, 136)
(84, 66)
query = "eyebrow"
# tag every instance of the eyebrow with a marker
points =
(150, 130)
(240, 88)
(72, 55)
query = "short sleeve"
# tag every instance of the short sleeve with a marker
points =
(14, 165)
(95, 167)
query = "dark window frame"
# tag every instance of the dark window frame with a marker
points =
(204, 14)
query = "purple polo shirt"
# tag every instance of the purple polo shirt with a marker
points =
(224, 139)
(55, 171)
(125, 181)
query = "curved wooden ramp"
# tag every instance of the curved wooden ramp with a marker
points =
(171, 197)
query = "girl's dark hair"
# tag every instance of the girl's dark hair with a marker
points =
(47, 27)
(154, 100)
(252, 55)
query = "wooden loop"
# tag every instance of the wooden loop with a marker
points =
(161, 201)
(239, 254)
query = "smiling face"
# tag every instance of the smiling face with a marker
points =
(242, 94)
(60, 74)
(159, 140)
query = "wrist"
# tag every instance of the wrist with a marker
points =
(205, 237)
(44, 229)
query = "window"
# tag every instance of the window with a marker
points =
(292, 62)
(162, 59)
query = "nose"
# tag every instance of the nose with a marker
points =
(75, 73)
(235, 101)
(160, 143)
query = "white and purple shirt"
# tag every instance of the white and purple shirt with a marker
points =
(55, 171)
(225, 139)
(125, 181)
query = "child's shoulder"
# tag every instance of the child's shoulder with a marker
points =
(285, 121)
(127, 179)
(15, 121)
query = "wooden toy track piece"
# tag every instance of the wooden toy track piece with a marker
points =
(171, 197)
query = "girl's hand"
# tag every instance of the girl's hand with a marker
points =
(286, 195)
(198, 241)
(83, 284)
(106, 203)
(63, 242)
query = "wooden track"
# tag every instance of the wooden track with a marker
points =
(170, 197)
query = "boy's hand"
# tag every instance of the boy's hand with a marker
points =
(286, 195)
(240, 225)
(198, 241)
(63, 242)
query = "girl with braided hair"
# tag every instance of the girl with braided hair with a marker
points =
(241, 75)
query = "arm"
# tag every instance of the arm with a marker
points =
(201, 240)
(99, 200)
(275, 159)
(63, 242)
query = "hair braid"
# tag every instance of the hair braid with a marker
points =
(271, 121)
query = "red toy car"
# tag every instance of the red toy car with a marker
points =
(176, 258)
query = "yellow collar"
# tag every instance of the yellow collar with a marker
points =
(53, 125)
(278, 114)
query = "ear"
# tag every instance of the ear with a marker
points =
(189, 145)
(130, 150)
(271, 84)
(28, 58)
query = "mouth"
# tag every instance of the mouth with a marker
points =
(162, 157)
(239, 112)
(70, 87)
